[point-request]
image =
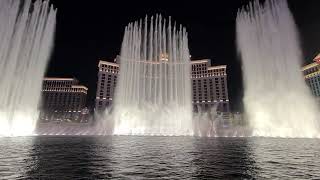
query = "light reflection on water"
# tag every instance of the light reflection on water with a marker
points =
(133, 157)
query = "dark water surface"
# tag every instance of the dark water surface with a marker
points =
(125, 157)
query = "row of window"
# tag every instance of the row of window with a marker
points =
(310, 70)
(48, 84)
(315, 87)
(109, 66)
(199, 65)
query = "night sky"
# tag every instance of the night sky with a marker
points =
(88, 31)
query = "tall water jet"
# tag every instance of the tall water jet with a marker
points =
(154, 88)
(276, 98)
(26, 38)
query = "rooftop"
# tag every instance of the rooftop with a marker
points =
(80, 87)
(58, 79)
(200, 61)
(316, 62)
(108, 63)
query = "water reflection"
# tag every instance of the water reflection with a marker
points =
(286, 158)
(65, 158)
(15, 157)
(133, 157)
(152, 157)
(223, 158)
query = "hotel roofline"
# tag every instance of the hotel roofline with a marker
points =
(308, 66)
(108, 63)
(80, 87)
(58, 79)
(201, 61)
(217, 67)
(73, 88)
(316, 62)
(209, 62)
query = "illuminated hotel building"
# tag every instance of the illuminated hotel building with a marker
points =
(107, 79)
(311, 74)
(209, 86)
(63, 99)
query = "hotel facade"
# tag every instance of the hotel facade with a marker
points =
(106, 85)
(209, 85)
(63, 99)
(311, 74)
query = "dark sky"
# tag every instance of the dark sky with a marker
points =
(90, 30)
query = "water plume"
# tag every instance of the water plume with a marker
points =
(153, 94)
(277, 101)
(26, 39)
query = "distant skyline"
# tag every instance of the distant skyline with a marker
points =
(89, 31)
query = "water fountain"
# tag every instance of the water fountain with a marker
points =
(26, 35)
(154, 88)
(277, 100)
(206, 121)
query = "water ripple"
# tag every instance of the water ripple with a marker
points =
(125, 157)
